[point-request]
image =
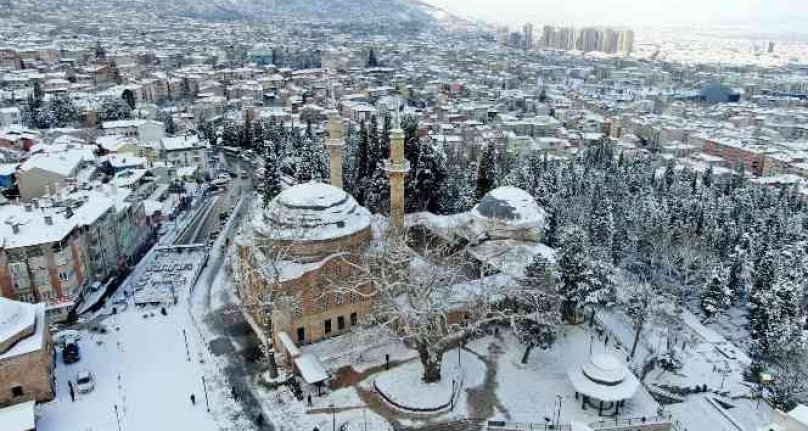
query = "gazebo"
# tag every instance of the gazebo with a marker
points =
(604, 380)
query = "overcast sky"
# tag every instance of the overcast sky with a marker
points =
(766, 15)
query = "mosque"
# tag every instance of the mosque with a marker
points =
(296, 255)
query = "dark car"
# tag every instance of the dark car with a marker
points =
(70, 353)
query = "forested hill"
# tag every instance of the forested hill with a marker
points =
(360, 12)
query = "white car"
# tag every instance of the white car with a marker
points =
(84, 382)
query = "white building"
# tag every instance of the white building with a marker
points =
(183, 152)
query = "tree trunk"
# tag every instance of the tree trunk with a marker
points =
(431, 363)
(636, 339)
(526, 355)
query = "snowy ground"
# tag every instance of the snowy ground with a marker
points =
(708, 358)
(144, 377)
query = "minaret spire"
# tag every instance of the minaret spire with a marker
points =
(334, 143)
(397, 169)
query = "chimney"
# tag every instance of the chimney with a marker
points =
(397, 169)
(15, 228)
(28, 207)
(334, 143)
(48, 219)
(68, 212)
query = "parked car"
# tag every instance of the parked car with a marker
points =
(70, 353)
(85, 382)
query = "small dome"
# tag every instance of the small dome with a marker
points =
(17, 321)
(604, 368)
(311, 211)
(509, 208)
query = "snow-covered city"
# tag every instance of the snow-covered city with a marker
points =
(403, 215)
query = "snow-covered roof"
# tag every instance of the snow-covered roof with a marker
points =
(311, 369)
(605, 378)
(799, 414)
(31, 341)
(18, 417)
(510, 206)
(178, 143)
(17, 321)
(309, 212)
(63, 163)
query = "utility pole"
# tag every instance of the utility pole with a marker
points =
(205, 388)
(117, 417)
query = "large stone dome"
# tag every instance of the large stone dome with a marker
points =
(311, 212)
(509, 211)
(17, 321)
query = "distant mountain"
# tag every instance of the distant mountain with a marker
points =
(375, 12)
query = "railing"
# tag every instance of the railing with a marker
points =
(524, 426)
(628, 422)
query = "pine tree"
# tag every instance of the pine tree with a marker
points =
(378, 193)
(601, 224)
(716, 296)
(128, 96)
(272, 177)
(573, 268)
(312, 162)
(487, 171)
(114, 109)
(372, 60)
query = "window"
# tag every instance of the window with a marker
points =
(353, 319)
(16, 391)
(340, 323)
(328, 326)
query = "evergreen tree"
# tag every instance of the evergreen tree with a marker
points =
(378, 193)
(114, 109)
(601, 224)
(229, 134)
(312, 159)
(487, 171)
(207, 132)
(716, 295)
(572, 266)
(372, 60)
(128, 96)
(272, 177)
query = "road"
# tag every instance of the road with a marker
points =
(215, 305)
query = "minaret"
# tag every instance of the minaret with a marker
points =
(397, 168)
(334, 143)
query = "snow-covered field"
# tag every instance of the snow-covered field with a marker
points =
(144, 377)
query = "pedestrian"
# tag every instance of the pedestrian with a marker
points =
(606, 341)
(193, 399)
(309, 399)
(386, 361)
(234, 393)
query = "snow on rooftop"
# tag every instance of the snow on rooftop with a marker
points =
(178, 143)
(511, 206)
(32, 342)
(18, 417)
(17, 320)
(311, 211)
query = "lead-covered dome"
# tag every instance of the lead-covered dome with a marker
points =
(509, 211)
(17, 321)
(311, 212)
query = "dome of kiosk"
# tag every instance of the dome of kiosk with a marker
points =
(508, 209)
(311, 212)
(17, 321)
(604, 368)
